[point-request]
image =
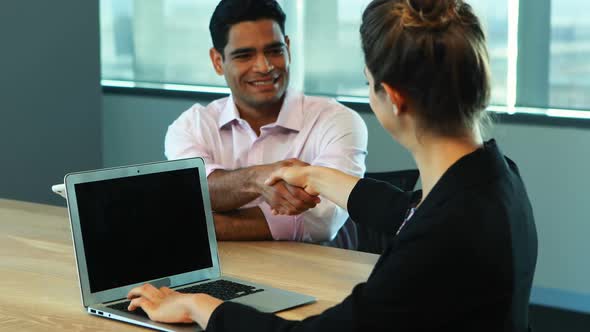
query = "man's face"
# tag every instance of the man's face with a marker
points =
(255, 63)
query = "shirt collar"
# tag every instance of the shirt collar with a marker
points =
(229, 113)
(290, 115)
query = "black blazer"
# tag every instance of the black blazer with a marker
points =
(463, 262)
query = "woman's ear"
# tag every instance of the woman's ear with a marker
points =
(396, 98)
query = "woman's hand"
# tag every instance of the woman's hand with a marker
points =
(169, 306)
(294, 175)
(331, 183)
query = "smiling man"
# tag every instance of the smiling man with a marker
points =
(262, 126)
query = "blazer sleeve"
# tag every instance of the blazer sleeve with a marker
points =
(379, 205)
(231, 316)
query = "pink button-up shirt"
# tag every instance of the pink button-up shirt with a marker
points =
(316, 130)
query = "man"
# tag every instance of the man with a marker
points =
(260, 127)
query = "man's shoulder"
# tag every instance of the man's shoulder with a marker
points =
(208, 111)
(214, 107)
(323, 102)
(199, 116)
(328, 109)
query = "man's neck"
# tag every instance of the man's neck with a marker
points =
(258, 117)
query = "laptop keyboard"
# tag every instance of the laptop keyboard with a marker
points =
(222, 289)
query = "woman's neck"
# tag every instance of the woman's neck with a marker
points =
(435, 155)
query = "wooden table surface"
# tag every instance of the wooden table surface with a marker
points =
(39, 288)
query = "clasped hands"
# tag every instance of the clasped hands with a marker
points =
(285, 187)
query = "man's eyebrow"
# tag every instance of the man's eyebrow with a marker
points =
(274, 45)
(245, 50)
(242, 50)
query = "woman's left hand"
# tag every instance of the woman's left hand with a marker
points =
(169, 306)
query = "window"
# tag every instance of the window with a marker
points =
(494, 18)
(340, 72)
(157, 41)
(333, 57)
(569, 73)
(539, 53)
(116, 40)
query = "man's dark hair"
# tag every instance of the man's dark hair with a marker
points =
(230, 12)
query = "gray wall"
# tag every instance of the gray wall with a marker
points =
(554, 163)
(134, 127)
(50, 92)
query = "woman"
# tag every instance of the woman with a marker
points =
(463, 251)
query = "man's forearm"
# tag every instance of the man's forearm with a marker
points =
(242, 225)
(231, 190)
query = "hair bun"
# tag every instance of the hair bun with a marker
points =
(429, 14)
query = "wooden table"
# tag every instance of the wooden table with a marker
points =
(39, 288)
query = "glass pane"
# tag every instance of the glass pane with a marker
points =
(333, 57)
(116, 39)
(494, 17)
(167, 41)
(161, 41)
(569, 73)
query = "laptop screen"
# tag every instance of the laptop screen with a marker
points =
(143, 227)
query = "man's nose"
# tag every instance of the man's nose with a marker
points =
(263, 65)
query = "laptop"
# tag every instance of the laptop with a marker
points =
(152, 223)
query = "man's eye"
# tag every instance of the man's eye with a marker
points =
(242, 56)
(277, 51)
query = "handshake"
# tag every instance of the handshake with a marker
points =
(284, 186)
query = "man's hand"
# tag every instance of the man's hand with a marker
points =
(230, 190)
(293, 175)
(282, 197)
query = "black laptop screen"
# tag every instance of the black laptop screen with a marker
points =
(142, 228)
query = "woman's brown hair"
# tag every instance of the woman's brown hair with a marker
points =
(434, 53)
